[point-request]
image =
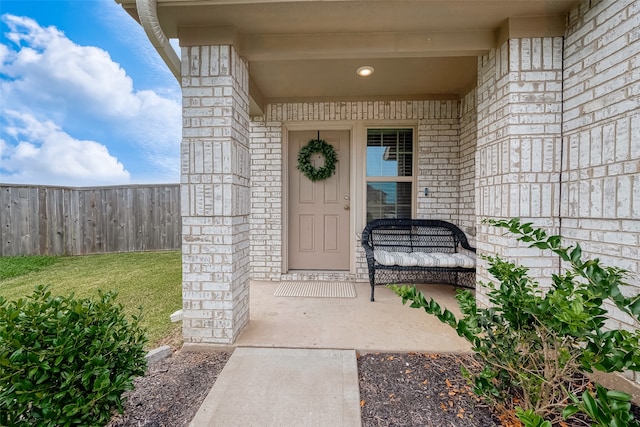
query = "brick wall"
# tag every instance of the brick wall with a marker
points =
(519, 146)
(601, 168)
(439, 167)
(559, 141)
(266, 200)
(215, 194)
(466, 218)
(438, 136)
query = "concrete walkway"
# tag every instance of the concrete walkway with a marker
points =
(295, 363)
(284, 387)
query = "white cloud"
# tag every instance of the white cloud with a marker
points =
(49, 63)
(4, 53)
(52, 83)
(161, 134)
(47, 155)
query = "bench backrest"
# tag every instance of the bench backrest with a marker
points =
(414, 235)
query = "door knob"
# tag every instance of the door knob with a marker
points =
(346, 207)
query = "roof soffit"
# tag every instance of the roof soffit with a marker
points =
(310, 49)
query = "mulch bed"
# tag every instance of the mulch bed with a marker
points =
(396, 389)
(419, 390)
(171, 392)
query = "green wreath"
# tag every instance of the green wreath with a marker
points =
(330, 160)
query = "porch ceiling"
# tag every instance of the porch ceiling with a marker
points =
(310, 49)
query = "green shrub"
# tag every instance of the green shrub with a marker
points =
(534, 341)
(66, 361)
(607, 408)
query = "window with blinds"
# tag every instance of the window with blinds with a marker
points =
(389, 173)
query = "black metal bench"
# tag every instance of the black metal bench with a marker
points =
(403, 251)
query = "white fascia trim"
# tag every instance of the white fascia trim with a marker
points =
(148, 14)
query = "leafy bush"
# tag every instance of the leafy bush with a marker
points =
(534, 341)
(607, 408)
(66, 361)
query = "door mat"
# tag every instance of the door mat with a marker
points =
(316, 289)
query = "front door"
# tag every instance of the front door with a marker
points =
(319, 211)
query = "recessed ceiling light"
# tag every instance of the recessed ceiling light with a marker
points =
(365, 71)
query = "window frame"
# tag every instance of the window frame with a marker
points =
(393, 179)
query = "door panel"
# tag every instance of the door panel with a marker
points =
(331, 233)
(319, 211)
(305, 240)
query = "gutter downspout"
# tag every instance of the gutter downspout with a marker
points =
(148, 14)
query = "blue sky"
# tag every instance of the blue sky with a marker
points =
(84, 97)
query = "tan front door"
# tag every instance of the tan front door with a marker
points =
(319, 211)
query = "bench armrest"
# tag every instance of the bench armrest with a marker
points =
(368, 249)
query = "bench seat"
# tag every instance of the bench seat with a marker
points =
(401, 251)
(423, 259)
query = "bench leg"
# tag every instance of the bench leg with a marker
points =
(372, 279)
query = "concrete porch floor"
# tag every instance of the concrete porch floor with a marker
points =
(295, 362)
(349, 323)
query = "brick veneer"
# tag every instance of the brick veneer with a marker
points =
(215, 194)
(466, 218)
(519, 146)
(438, 158)
(600, 206)
(559, 141)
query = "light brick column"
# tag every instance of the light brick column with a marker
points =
(215, 173)
(601, 165)
(518, 157)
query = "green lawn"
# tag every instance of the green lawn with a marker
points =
(148, 279)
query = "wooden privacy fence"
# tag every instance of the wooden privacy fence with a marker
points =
(40, 220)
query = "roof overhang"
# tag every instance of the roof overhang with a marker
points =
(310, 49)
